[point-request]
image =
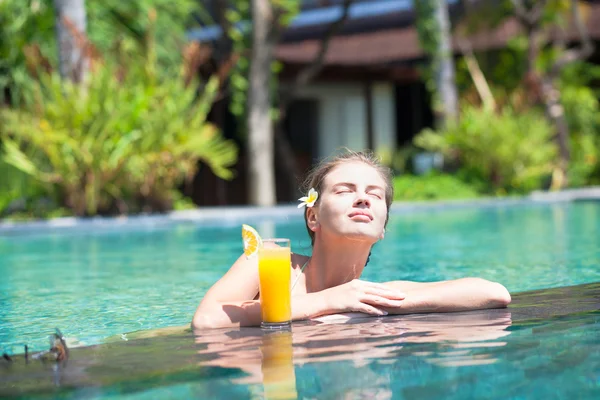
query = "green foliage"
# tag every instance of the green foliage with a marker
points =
(111, 24)
(239, 33)
(508, 66)
(512, 151)
(38, 210)
(400, 160)
(556, 12)
(429, 33)
(582, 110)
(123, 141)
(22, 22)
(128, 24)
(12, 185)
(181, 202)
(433, 186)
(427, 27)
(126, 139)
(23, 198)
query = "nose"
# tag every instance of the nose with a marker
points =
(362, 201)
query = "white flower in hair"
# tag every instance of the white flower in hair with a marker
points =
(309, 200)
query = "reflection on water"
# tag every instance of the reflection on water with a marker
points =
(350, 346)
(266, 356)
(277, 362)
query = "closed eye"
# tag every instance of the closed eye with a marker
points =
(377, 195)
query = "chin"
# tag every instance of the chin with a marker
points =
(362, 234)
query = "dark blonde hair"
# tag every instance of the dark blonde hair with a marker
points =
(317, 175)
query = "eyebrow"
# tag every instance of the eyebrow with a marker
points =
(352, 185)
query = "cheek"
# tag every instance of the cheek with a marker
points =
(328, 212)
(332, 210)
(382, 213)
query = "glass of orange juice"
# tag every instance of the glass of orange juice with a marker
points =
(274, 271)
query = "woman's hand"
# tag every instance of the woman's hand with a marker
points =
(361, 296)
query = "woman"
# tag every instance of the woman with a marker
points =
(354, 196)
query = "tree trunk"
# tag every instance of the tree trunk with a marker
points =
(260, 129)
(445, 74)
(285, 153)
(556, 113)
(70, 32)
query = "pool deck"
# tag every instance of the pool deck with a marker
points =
(231, 216)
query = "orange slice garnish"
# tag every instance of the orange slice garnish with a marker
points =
(252, 240)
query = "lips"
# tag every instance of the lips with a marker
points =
(361, 213)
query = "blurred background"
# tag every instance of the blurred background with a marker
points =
(142, 106)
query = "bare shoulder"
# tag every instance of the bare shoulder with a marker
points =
(239, 283)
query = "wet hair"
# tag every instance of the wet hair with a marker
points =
(317, 176)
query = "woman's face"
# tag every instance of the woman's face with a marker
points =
(351, 203)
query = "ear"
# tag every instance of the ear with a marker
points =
(312, 219)
(382, 234)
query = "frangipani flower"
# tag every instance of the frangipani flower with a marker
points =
(309, 200)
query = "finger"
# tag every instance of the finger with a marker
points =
(381, 301)
(368, 309)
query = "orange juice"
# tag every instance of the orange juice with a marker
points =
(274, 269)
(279, 377)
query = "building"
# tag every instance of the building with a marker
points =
(369, 92)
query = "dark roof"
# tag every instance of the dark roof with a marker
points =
(376, 33)
(316, 16)
(401, 44)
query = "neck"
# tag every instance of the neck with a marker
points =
(335, 262)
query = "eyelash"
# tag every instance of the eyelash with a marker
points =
(371, 194)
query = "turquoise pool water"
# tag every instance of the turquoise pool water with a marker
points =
(104, 282)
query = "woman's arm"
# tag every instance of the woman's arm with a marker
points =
(232, 300)
(247, 313)
(448, 296)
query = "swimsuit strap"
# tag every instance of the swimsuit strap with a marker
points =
(299, 275)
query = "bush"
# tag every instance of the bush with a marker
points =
(12, 185)
(121, 142)
(433, 186)
(582, 111)
(511, 151)
(22, 22)
(29, 26)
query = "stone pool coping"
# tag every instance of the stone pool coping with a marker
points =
(231, 216)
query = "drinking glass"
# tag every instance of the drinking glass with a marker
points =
(274, 270)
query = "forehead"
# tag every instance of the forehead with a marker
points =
(354, 172)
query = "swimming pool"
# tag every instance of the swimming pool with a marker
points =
(101, 282)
